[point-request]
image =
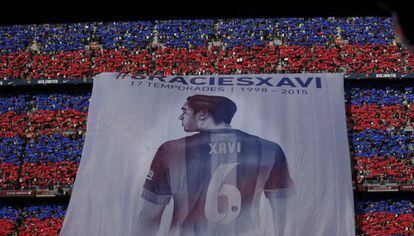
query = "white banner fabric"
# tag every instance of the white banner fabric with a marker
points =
(263, 154)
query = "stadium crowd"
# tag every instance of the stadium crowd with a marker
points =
(196, 33)
(10, 152)
(205, 60)
(42, 133)
(385, 217)
(206, 46)
(41, 139)
(35, 219)
(374, 217)
(381, 133)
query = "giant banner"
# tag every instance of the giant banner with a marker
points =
(262, 154)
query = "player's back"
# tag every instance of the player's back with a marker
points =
(216, 179)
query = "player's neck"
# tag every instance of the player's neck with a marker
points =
(213, 126)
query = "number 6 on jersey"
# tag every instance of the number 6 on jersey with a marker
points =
(216, 190)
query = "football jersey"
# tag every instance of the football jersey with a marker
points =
(216, 179)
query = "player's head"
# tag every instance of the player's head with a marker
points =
(203, 111)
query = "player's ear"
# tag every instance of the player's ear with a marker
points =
(202, 115)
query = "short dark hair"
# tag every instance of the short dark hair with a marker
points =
(220, 108)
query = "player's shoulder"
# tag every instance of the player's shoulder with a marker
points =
(179, 143)
(263, 142)
(173, 144)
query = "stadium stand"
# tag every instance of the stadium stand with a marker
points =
(363, 45)
(42, 132)
(10, 153)
(35, 219)
(388, 216)
(42, 140)
(380, 133)
(385, 217)
(9, 218)
(214, 60)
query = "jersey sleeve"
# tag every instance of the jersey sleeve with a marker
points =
(279, 183)
(157, 187)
